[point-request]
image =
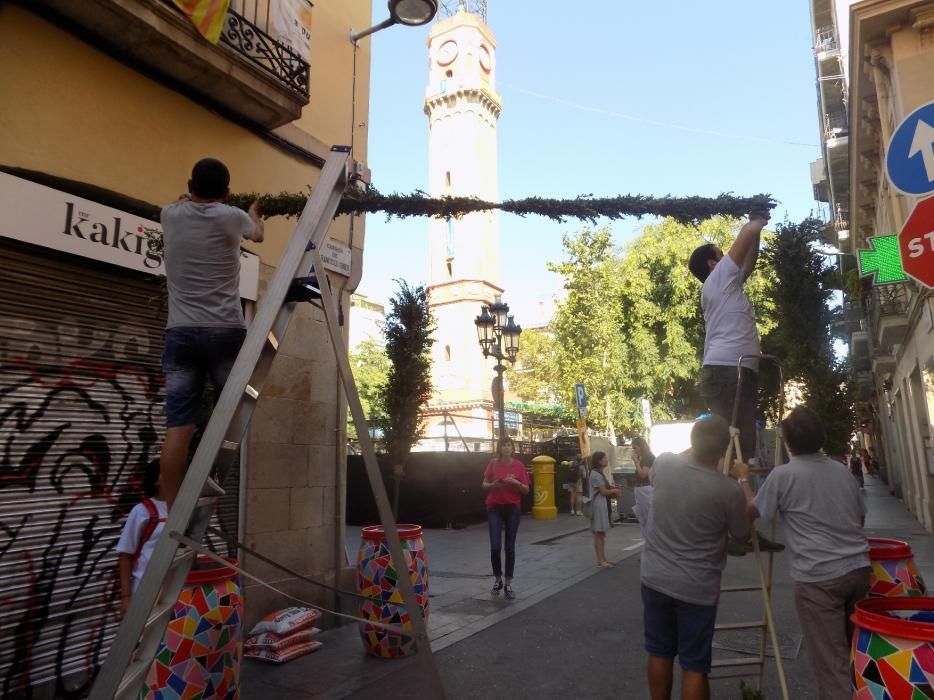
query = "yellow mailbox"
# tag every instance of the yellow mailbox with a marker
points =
(543, 494)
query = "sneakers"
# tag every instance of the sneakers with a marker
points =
(510, 594)
(497, 589)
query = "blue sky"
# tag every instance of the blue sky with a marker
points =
(681, 98)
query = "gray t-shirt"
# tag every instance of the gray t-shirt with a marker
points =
(822, 510)
(693, 510)
(202, 263)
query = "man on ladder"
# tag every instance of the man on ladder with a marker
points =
(731, 335)
(205, 328)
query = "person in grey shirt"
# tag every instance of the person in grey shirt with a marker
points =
(822, 510)
(201, 241)
(694, 508)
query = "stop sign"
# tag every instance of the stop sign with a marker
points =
(916, 243)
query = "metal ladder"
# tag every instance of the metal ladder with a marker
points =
(152, 606)
(766, 625)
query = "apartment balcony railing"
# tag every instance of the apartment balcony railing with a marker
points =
(825, 40)
(255, 43)
(835, 125)
(253, 73)
(888, 313)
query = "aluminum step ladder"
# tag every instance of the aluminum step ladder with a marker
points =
(152, 606)
(766, 624)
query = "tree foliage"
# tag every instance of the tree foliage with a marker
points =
(804, 340)
(409, 328)
(370, 365)
(630, 326)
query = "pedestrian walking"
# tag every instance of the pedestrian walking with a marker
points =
(600, 492)
(822, 511)
(856, 469)
(577, 472)
(695, 509)
(505, 480)
(205, 328)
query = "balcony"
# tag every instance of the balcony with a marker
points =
(249, 74)
(883, 362)
(888, 312)
(835, 127)
(825, 41)
(859, 351)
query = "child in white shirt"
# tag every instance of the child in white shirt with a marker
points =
(143, 526)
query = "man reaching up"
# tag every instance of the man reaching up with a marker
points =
(205, 328)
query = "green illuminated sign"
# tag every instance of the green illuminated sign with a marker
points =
(882, 260)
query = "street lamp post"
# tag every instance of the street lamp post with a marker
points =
(498, 335)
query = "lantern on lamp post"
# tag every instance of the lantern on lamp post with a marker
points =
(498, 335)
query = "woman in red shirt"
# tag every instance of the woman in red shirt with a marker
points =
(505, 480)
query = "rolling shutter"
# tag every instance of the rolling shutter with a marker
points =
(81, 414)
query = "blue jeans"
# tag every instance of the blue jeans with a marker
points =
(499, 517)
(191, 355)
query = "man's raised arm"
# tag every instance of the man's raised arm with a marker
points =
(745, 249)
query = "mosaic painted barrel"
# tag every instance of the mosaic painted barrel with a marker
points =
(894, 573)
(378, 580)
(892, 654)
(200, 655)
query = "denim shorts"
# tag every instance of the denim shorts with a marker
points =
(675, 628)
(191, 356)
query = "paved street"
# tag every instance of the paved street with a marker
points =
(574, 632)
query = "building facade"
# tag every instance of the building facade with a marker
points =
(108, 104)
(464, 254)
(891, 64)
(884, 52)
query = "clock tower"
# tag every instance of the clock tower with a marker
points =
(464, 258)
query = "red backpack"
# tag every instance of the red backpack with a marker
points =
(154, 520)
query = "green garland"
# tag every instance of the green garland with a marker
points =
(688, 210)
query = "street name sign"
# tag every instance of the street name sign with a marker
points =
(909, 158)
(916, 243)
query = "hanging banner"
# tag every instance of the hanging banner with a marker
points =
(290, 24)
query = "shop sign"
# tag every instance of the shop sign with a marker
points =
(47, 217)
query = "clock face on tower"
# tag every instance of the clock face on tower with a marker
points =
(447, 53)
(486, 60)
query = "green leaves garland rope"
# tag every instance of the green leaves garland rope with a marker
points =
(687, 210)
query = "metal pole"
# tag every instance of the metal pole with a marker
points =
(501, 400)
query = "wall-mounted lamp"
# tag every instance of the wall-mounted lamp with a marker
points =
(412, 13)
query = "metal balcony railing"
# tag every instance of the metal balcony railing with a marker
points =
(891, 300)
(247, 30)
(825, 39)
(835, 125)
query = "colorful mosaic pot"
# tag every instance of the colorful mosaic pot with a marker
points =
(894, 573)
(377, 579)
(199, 657)
(892, 655)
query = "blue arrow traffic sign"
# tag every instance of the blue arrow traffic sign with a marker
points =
(909, 159)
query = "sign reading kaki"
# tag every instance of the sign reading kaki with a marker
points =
(916, 243)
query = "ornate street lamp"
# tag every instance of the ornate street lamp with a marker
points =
(412, 13)
(498, 335)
